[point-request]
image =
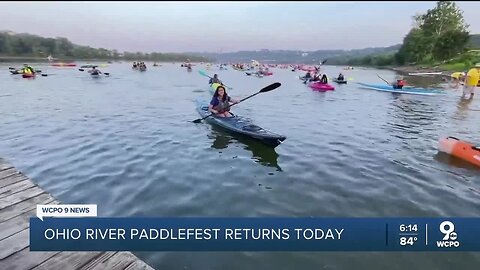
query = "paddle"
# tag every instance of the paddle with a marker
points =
(37, 71)
(106, 73)
(263, 90)
(206, 75)
(383, 79)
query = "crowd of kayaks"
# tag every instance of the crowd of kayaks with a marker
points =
(30, 73)
(452, 146)
(245, 127)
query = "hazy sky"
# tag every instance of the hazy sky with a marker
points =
(222, 26)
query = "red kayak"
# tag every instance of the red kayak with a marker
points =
(64, 65)
(28, 75)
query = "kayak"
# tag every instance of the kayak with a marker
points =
(322, 87)
(213, 88)
(64, 65)
(241, 126)
(15, 72)
(460, 149)
(26, 75)
(425, 73)
(340, 81)
(95, 75)
(404, 90)
(308, 68)
(89, 66)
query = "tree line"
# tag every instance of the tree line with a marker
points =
(438, 35)
(35, 46)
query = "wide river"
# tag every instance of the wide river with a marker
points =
(127, 143)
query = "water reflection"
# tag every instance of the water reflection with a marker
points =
(454, 161)
(462, 108)
(261, 153)
(410, 117)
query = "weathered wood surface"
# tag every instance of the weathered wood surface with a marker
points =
(19, 197)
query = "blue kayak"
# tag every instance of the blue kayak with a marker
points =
(404, 90)
(240, 125)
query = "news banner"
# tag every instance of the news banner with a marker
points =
(78, 228)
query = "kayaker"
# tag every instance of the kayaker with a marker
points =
(27, 69)
(471, 81)
(316, 77)
(340, 77)
(399, 83)
(215, 79)
(220, 101)
(94, 71)
(308, 75)
(324, 79)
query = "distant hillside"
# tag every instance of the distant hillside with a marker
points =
(474, 41)
(13, 45)
(335, 57)
(295, 56)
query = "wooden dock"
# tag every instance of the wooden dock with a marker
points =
(18, 199)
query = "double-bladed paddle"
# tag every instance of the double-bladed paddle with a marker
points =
(263, 90)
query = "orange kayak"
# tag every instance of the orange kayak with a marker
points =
(460, 149)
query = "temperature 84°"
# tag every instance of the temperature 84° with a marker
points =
(410, 240)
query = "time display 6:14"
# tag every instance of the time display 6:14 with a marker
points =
(408, 228)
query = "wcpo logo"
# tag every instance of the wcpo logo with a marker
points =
(450, 236)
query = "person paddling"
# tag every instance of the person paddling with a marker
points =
(324, 79)
(215, 79)
(399, 83)
(220, 101)
(27, 69)
(94, 71)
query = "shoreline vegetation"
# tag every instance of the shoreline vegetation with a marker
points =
(22, 46)
(439, 41)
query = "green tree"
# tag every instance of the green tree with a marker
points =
(450, 44)
(442, 24)
(439, 34)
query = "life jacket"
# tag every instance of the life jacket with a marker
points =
(27, 70)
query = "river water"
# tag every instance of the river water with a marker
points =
(127, 143)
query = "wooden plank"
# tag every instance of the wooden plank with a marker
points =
(98, 260)
(20, 196)
(14, 243)
(8, 172)
(15, 225)
(27, 205)
(15, 188)
(26, 259)
(4, 165)
(18, 223)
(11, 180)
(139, 265)
(119, 260)
(68, 260)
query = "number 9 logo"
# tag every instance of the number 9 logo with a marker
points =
(451, 228)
